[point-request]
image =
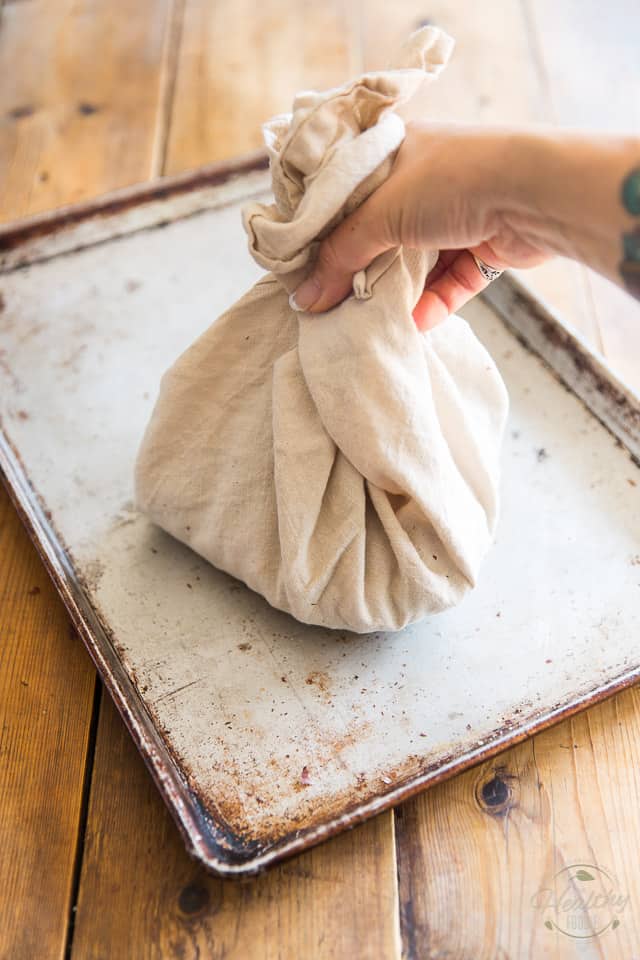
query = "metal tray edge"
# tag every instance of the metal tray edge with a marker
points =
(578, 367)
(542, 331)
(155, 755)
(66, 229)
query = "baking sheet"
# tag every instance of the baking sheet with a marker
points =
(228, 700)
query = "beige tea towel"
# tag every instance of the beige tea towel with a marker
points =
(345, 465)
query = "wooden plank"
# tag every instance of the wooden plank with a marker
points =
(79, 104)
(589, 62)
(141, 895)
(81, 94)
(240, 64)
(46, 694)
(475, 853)
(487, 80)
(450, 852)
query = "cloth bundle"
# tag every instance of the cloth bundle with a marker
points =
(345, 465)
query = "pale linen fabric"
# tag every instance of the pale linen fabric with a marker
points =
(345, 466)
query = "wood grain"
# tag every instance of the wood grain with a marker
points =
(80, 113)
(240, 64)
(486, 80)
(474, 853)
(46, 693)
(142, 897)
(80, 100)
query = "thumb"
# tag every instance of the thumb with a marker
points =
(350, 247)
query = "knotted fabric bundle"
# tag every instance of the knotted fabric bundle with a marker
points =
(345, 465)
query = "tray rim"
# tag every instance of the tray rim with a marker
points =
(19, 231)
(537, 325)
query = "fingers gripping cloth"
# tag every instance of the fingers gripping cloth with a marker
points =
(345, 466)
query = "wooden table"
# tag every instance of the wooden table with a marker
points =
(95, 95)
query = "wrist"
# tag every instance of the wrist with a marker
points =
(549, 188)
(512, 175)
(562, 188)
(528, 185)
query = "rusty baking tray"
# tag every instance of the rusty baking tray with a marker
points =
(228, 700)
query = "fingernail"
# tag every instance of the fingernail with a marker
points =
(306, 295)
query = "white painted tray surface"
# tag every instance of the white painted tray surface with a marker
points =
(228, 699)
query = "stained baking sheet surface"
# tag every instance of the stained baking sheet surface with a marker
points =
(228, 699)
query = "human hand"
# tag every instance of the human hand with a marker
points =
(452, 189)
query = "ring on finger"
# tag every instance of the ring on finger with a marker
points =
(488, 272)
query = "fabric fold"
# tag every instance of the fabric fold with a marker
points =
(345, 466)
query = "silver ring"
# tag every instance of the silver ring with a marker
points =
(489, 273)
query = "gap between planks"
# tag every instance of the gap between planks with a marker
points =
(168, 79)
(84, 813)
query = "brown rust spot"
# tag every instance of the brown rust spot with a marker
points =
(244, 832)
(268, 829)
(93, 574)
(585, 364)
(353, 735)
(71, 361)
(17, 385)
(320, 680)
